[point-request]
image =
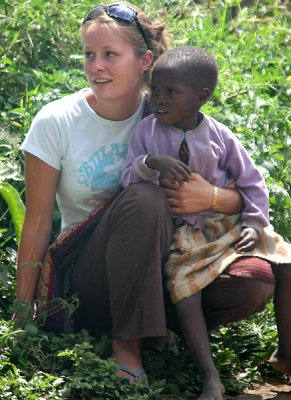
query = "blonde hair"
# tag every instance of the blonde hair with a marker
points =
(155, 32)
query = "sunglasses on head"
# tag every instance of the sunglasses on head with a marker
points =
(119, 12)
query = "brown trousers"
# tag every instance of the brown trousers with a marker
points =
(118, 276)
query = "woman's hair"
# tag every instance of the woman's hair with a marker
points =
(155, 34)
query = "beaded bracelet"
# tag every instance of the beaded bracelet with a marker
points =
(214, 197)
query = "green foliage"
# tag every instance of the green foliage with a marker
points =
(40, 48)
(240, 352)
(41, 60)
(15, 205)
(39, 365)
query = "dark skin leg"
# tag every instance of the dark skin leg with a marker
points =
(192, 323)
(281, 359)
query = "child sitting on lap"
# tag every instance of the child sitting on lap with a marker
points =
(177, 140)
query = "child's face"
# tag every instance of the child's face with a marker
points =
(174, 101)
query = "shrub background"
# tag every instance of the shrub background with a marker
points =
(41, 60)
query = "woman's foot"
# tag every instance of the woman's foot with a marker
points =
(138, 376)
(279, 364)
(129, 363)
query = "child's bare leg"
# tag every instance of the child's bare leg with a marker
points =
(281, 359)
(193, 326)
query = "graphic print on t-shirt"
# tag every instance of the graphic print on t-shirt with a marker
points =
(102, 172)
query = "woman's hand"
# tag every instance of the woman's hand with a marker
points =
(196, 195)
(193, 196)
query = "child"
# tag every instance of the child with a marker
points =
(174, 142)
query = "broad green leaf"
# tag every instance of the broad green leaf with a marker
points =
(15, 206)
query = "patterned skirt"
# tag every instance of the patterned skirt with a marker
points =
(197, 258)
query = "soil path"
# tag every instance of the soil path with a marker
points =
(273, 388)
(270, 388)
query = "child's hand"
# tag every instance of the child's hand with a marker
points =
(170, 168)
(248, 240)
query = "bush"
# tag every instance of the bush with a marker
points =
(40, 61)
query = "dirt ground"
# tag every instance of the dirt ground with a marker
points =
(273, 388)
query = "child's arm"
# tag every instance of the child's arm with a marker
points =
(135, 169)
(145, 159)
(169, 168)
(248, 181)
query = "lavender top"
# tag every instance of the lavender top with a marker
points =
(214, 152)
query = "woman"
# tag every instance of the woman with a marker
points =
(75, 151)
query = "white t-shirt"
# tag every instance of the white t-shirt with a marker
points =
(89, 150)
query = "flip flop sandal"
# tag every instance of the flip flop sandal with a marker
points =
(139, 375)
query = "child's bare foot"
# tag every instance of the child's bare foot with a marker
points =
(279, 364)
(213, 389)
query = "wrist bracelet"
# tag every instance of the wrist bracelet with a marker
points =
(145, 161)
(145, 168)
(214, 197)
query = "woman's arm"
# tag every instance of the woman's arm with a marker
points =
(41, 184)
(197, 194)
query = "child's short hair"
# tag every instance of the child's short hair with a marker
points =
(196, 64)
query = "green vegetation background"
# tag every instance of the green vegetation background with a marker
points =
(41, 60)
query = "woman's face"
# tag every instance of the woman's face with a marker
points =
(113, 70)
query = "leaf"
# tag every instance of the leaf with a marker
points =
(36, 3)
(3, 275)
(15, 206)
(7, 171)
(31, 329)
(58, 382)
(7, 60)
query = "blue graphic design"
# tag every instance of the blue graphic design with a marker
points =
(103, 170)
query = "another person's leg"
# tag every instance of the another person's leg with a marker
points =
(193, 327)
(118, 276)
(281, 359)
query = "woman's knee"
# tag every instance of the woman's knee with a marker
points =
(256, 295)
(230, 299)
(145, 199)
(148, 193)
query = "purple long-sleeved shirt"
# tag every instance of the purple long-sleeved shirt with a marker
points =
(214, 152)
